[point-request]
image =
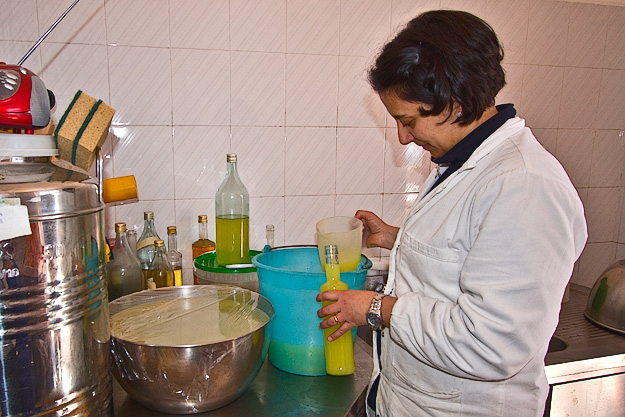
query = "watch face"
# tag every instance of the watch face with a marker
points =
(373, 319)
(379, 288)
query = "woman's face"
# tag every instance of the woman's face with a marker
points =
(432, 133)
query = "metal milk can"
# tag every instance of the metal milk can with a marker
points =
(54, 325)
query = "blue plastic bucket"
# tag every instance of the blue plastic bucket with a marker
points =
(290, 278)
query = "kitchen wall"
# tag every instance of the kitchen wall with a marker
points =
(282, 83)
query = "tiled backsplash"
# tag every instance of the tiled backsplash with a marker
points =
(282, 83)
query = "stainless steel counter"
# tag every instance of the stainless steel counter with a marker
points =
(587, 378)
(277, 393)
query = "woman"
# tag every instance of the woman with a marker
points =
(479, 267)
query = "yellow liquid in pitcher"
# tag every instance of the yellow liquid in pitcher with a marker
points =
(339, 352)
(232, 240)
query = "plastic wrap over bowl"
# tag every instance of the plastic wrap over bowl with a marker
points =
(189, 349)
(606, 302)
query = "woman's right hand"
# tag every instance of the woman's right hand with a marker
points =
(377, 233)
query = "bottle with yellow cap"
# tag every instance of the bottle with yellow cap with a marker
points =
(160, 273)
(173, 256)
(124, 270)
(203, 244)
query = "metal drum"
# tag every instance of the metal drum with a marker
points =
(54, 326)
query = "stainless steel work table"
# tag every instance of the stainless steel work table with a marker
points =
(277, 393)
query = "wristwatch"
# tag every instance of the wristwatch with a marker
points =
(374, 316)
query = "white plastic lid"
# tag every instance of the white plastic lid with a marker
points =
(13, 144)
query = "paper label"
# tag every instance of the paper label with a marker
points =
(146, 242)
(13, 219)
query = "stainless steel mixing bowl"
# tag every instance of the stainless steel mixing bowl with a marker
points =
(606, 302)
(197, 378)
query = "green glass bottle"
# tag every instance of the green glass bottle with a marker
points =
(232, 217)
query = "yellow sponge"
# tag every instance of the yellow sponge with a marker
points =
(83, 127)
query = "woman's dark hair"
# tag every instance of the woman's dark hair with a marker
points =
(443, 56)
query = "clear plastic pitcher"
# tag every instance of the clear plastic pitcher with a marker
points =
(346, 233)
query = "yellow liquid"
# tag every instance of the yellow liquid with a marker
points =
(339, 352)
(161, 278)
(233, 245)
(348, 265)
(177, 277)
(199, 247)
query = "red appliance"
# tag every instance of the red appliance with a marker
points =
(24, 99)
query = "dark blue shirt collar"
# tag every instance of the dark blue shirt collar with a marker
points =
(460, 153)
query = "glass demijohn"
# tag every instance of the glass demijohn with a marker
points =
(232, 207)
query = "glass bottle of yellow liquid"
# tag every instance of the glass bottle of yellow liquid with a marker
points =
(339, 352)
(232, 217)
(203, 244)
(145, 244)
(124, 270)
(160, 273)
(173, 256)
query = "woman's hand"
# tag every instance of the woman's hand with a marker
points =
(349, 307)
(377, 233)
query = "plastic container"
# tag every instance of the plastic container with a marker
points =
(344, 232)
(290, 278)
(209, 272)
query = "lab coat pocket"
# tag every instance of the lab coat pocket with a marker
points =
(431, 268)
(422, 394)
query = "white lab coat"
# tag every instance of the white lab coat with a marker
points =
(479, 268)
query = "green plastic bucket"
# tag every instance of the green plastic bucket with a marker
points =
(209, 272)
(290, 278)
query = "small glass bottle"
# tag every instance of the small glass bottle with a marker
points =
(145, 245)
(232, 217)
(173, 256)
(269, 234)
(131, 235)
(160, 273)
(124, 270)
(339, 352)
(203, 244)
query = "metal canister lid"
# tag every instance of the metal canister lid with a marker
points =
(202, 218)
(159, 243)
(231, 157)
(171, 230)
(120, 227)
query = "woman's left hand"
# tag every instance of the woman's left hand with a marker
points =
(349, 308)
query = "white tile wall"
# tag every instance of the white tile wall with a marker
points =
(283, 83)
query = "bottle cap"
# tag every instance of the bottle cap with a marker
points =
(148, 215)
(231, 157)
(159, 243)
(171, 230)
(120, 227)
(202, 218)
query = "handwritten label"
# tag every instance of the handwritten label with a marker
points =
(13, 220)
